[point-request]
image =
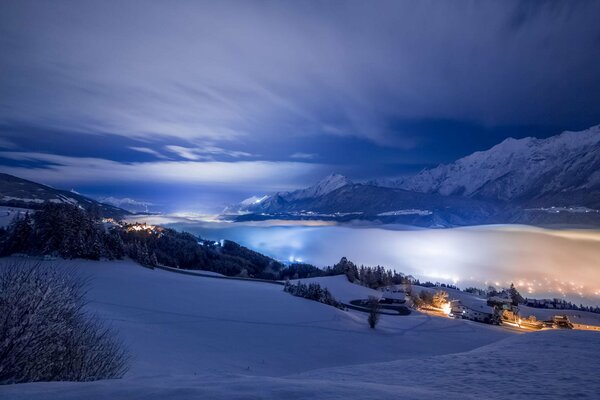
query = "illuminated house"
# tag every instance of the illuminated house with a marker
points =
(474, 311)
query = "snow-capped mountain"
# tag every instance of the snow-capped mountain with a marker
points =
(337, 198)
(531, 181)
(279, 200)
(562, 170)
(323, 187)
(17, 192)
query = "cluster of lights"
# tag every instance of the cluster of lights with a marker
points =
(547, 285)
(143, 228)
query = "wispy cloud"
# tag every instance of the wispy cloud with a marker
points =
(303, 156)
(226, 71)
(7, 144)
(266, 175)
(150, 151)
(205, 153)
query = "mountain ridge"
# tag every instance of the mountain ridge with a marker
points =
(18, 192)
(528, 171)
(555, 180)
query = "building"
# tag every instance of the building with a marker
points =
(392, 295)
(473, 312)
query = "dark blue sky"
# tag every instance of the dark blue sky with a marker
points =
(192, 105)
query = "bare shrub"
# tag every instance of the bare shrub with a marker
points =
(374, 308)
(440, 298)
(45, 334)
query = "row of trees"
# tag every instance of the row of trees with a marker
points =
(67, 231)
(63, 230)
(312, 291)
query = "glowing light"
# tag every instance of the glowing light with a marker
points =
(446, 308)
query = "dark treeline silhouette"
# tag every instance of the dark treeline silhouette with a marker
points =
(67, 231)
(312, 291)
(560, 304)
(63, 230)
(372, 277)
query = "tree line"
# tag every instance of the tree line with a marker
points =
(67, 231)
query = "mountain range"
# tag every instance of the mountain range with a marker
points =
(17, 192)
(534, 181)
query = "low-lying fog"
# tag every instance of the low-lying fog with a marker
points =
(542, 263)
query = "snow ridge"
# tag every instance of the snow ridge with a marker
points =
(517, 169)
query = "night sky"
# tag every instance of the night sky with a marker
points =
(193, 105)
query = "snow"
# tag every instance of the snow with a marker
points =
(341, 288)
(25, 200)
(509, 169)
(575, 316)
(253, 200)
(8, 214)
(323, 187)
(200, 337)
(410, 211)
(544, 314)
(469, 300)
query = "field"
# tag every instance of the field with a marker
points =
(193, 337)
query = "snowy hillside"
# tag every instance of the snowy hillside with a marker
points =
(196, 337)
(562, 170)
(336, 198)
(17, 192)
(323, 187)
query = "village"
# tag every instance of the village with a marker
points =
(500, 309)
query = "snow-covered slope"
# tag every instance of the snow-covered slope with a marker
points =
(17, 192)
(562, 170)
(323, 187)
(535, 366)
(342, 289)
(278, 200)
(182, 324)
(339, 199)
(194, 337)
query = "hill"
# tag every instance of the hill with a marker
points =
(194, 337)
(17, 192)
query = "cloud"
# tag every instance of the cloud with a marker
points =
(233, 71)
(187, 153)
(265, 175)
(148, 150)
(303, 156)
(205, 153)
(7, 144)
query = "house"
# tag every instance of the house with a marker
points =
(473, 312)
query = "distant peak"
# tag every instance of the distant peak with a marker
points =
(335, 178)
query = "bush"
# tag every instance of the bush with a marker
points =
(374, 308)
(45, 335)
(440, 298)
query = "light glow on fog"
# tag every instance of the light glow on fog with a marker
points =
(541, 263)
